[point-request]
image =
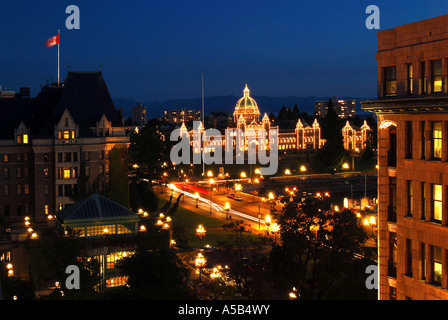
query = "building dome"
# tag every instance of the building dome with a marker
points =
(247, 107)
(246, 101)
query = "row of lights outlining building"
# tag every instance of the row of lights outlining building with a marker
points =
(304, 137)
(412, 112)
(45, 143)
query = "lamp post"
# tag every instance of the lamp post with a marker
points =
(211, 182)
(268, 223)
(275, 228)
(196, 196)
(227, 209)
(259, 213)
(200, 263)
(200, 232)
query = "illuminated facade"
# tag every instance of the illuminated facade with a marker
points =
(412, 111)
(355, 138)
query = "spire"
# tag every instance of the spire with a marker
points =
(246, 91)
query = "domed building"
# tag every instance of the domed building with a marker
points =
(301, 137)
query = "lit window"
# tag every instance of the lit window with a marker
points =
(437, 202)
(66, 173)
(390, 81)
(67, 134)
(46, 209)
(437, 76)
(437, 140)
(19, 139)
(437, 264)
(25, 138)
(73, 134)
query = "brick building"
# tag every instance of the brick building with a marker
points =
(412, 111)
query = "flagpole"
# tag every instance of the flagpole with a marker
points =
(58, 53)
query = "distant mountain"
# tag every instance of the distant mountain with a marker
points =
(227, 104)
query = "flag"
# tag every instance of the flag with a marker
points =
(52, 41)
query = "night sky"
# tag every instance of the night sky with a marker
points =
(158, 50)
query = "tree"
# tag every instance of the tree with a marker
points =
(317, 254)
(155, 275)
(331, 156)
(148, 149)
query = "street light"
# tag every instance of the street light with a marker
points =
(196, 196)
(268, 223)
(200, 232)
(275, 229)
(200, 263)
(227, 209)
(211, 182)
(302, 168)
(287, 172)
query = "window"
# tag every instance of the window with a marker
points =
(437, 265)
(422, 140)
(436, 76)
(390, 81)
(66, 134)
(437, 140)
(6, 190)
(408, 133)
(19, 189)
(392, 264)
(46, 172)
(67, 157)
(6, 173)
(46, 209)
(25, 172)
(437, 203)
(75, 156)
(46, 190)
(87, 171)
(66, 173)
(410, 199)
(25, 139)
(410, 85)
(7, 211)
(409, 257)
(19, 139)
(87, 156)
(422, 261)
(5, 158)
(73, 134)
(59, 134)
(60, 190)
(19, 172)
(423, 202)
(26, 189)
(423, 76)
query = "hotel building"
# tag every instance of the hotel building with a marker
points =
(412, 112)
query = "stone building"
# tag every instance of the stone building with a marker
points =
(412, 112)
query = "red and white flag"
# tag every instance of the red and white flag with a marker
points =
(52, 41)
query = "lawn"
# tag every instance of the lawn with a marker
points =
(190, 220)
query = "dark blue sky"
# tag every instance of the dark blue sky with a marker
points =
(157, 50)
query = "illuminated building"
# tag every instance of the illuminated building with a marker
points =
(343, 108)
(139, 115)
(355, 138)
(412, 112)
(182, 115)
(303, 138)
(47, 143)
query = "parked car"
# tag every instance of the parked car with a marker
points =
(231, 195)
(238, 197)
